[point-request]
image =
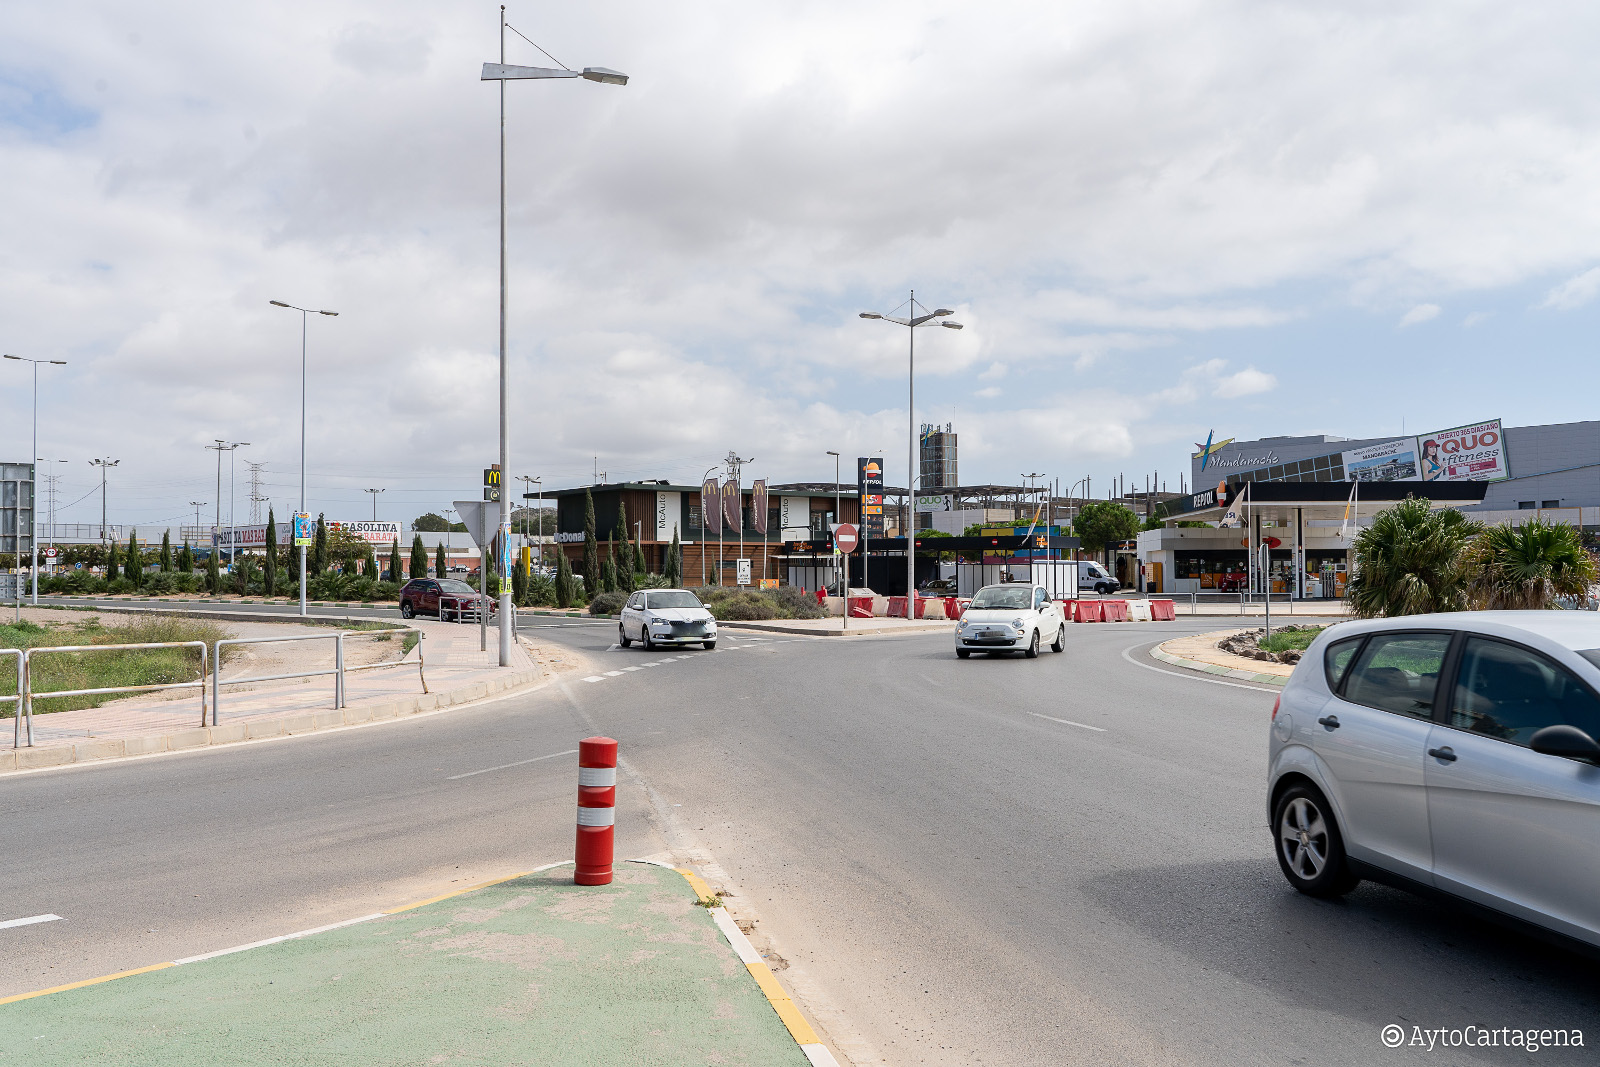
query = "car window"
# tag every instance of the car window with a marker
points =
(1512, 693)
(451, 585)
(996, 596)
(1398, 672)
(672, 598)
(1337, 659)
(636, 601)
(1040, 598)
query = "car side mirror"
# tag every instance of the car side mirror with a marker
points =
(1568, 742)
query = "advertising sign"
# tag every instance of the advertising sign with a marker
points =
(668, 507)
(730, 506)
(758, 505)
(505, 548)
(710, 507)
(793, 512)
(939, 502)
(305, 532)
(1389, 461)
(869, 483)
(1475, 453)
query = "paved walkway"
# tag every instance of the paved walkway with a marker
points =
(534, 970)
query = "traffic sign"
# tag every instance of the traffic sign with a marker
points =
(50, 553)
(845, 538)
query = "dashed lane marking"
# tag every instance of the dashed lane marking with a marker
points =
(29, 921)
(593, 678)
(1069, 722)
(612, 674)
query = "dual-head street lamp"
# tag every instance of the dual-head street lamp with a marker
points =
(33, 486)
(303, 313)
(912, 320)
(503, 72)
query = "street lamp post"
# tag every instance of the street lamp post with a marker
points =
(295, 525)
(912, 321)
(836, 519)
(502, 73)
(219, 448)
(526, 481)
(33, 486)
(374, 493)
(197, 505)
(104, 465)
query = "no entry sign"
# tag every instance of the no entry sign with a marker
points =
(845, 538)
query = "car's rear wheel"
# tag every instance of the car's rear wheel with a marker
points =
(963, 653)
(1060, 643)
(406, 610)
(1033, 646)
(1309, 846)
(622, 637)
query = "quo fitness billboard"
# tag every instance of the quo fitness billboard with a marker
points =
(1473, 453)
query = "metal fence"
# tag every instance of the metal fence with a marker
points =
(25, 679)
(338, 670)
(16, 728)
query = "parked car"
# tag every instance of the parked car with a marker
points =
(1093, 576)
(937, 587)
(1452, 753)
(445, 598)
(1015, 617)
(666, 617)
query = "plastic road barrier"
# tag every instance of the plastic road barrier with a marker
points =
(1114, 610)
(861, 607)
(931, 608)
(597, 810)
(1089, 611)
(1163, 611)
(897, 607)
(1139, 610)
(952, 608)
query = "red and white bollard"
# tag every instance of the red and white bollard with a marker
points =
(597, 809)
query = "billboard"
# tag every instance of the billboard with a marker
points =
(869, 483)
(1389, 461)
(1475, 453)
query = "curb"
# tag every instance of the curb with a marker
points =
(94, 750)
(1217, 669)
(929, 628)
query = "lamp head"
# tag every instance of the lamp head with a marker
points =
(951, 325)
(940, 313)
(277, 303)
(605, 76)
(59, 362)
(335, 314)
(18, 358)
(871, 315)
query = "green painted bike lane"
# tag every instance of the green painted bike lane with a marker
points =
(534, 970)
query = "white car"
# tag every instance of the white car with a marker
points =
(1011, 618)
(666, 617)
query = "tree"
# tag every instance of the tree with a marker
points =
(113, 561)
(213, 572)
(1101, 522)
(186, 559)
(625, 563)
(319, 545)
(564, 590)
(166, 552)
(431, 522)
(419, 558)
(441, 561)
(519, 582)
(1410, 561)
(133, 563)
(394, 561)
(673, 569)
(591, 546)
(640, 567)
(1527, 566)
(927, 535)
(608, 569)
(269, 580)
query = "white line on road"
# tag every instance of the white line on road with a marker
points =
(1181, 673)
(29, 921)
(1069, 722)
(614, 647)
(275, 940)
(613, 674)
(594, 678)
(519, 763)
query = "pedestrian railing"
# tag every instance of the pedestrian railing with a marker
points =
(380, 635)
(338, 670)
(29, 695)
(16, 727)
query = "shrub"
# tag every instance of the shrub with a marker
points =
(795, 602)
(745, 605)
(541, 591)
(607, 603)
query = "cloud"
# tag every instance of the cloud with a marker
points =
(1477, 318)
(1575, 291)
(988, 394)
(995, 372)
(1419, 314)
(1247, 382)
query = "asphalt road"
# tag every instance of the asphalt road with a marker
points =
(996, 861)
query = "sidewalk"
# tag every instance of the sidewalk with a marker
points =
(455, 669)
(533, 970)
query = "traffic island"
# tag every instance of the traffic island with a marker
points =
(532, 970)
(1200, 652)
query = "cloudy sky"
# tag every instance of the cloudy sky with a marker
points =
(1155, 219)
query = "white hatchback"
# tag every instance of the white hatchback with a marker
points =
(1011, 618)
(666, 617)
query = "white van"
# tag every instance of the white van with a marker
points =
(1092, 576)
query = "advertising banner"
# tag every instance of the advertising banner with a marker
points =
(710, 507)
(305, 531)
(869, 483)
(1475, 453)
(758, 505)
(1390, 461)
(668, 507)
(730, 506)
(794, 512)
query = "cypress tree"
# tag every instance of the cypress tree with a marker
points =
(394, 561)
(166, 552)
(132, 565)
(591, 546)
(113, 562)
(186, 559)
(519, 583)
(213, 573)
(269, 576)
(564, 588)
(674, 566)
(608, 572)
(319, 546)
(419, 557)
(625, 558)
(441, 562)
(639, 564)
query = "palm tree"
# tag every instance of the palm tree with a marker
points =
(1529, 566)
(1410, 561)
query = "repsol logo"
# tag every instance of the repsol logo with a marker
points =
(1205, 499)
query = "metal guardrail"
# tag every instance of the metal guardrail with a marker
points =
(16, 728)
(29, 696)
(338, 670)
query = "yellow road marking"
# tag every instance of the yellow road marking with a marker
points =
(456, 893)
(86, 981)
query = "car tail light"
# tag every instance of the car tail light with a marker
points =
(1275, 704)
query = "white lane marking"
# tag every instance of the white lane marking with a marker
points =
(29, 921)
(1069, 722)
(519, 763)
(649, 664)
(274, 940)
(614, 647)
(613, 674)
(633, 668)
(594, 678)
(1181, 673)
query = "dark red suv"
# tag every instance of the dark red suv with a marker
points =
(446, 598)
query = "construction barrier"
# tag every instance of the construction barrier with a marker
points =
(1138, 610)
(1088, 611)
(1163, 611)
(860, 607)
(931, 608)
(897, 607)
(1114, 610)
(597, 810)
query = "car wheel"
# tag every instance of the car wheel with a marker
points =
(622, 637)
(963, 653)
(1309, 846)
(1060, 643)
(406, 610)
(709, 645)
(645, 639)
(1033, 646)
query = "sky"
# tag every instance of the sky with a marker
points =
(1154, 219)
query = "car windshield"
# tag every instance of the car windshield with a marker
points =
(450, 585)
(998, 596)
(672, 598)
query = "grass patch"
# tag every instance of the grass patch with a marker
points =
(102, 670)
(712, 901)
(1284, 640)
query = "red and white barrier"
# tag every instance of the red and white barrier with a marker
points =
(597, 810)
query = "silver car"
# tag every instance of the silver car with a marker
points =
(1454, 753)
(666, 617)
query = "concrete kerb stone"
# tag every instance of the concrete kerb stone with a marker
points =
(1216, 669)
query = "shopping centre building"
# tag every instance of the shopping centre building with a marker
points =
(1305, 497)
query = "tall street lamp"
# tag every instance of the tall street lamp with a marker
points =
(374, 493)
(219, 448)
(33, 486)
(912, 321)
(295, 526)
(502, 73)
